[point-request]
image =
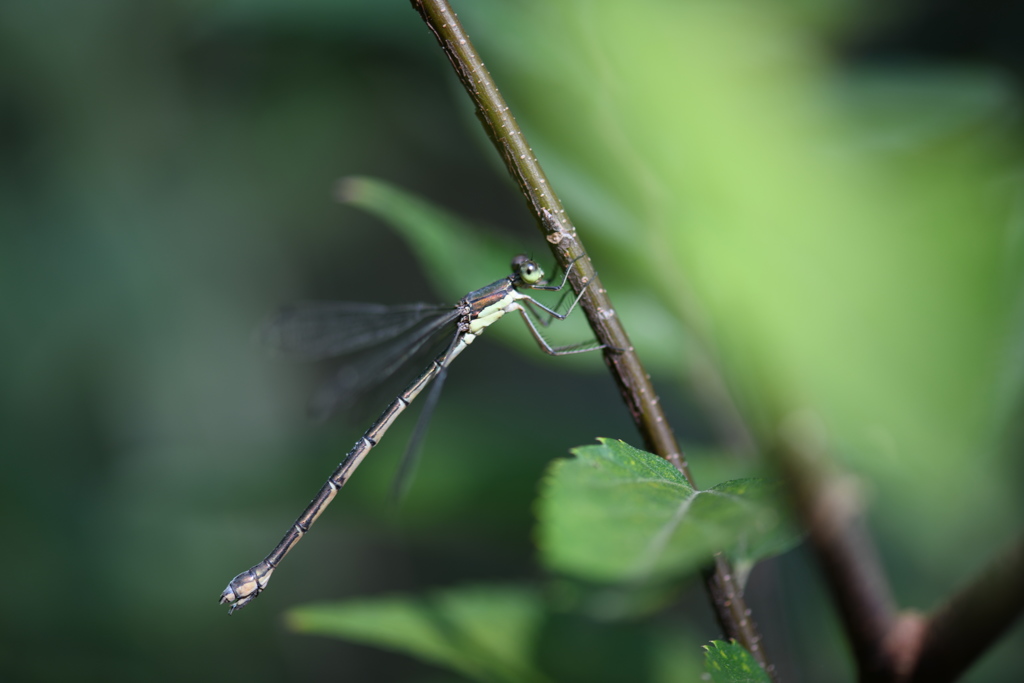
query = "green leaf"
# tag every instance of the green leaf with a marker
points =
(770, 531)
(483, 632)
(676, 654)
(615, 513)
(731, 663)
(844, 238)
(457, 256)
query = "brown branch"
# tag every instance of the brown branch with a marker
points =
(620, 357)
(957, 633)
(890, 646)
(830, 507)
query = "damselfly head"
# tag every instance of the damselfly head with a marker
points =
(527, 269)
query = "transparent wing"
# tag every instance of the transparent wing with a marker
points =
(355, 379)
(316, 330)
(410, 459)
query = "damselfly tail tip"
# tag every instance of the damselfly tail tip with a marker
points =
(228, 596)
(246, 586)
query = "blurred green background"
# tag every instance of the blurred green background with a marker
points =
(827, 197)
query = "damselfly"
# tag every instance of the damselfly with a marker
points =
(323, 330)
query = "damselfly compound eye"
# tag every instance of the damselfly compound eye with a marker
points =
(530, 272)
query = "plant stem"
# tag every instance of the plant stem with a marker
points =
(620, 357)
(890, 646)
(961, 630)
(830, 506)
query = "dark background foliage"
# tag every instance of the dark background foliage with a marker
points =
(166, 178)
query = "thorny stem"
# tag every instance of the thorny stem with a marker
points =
(620, 357)
(889, 646)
